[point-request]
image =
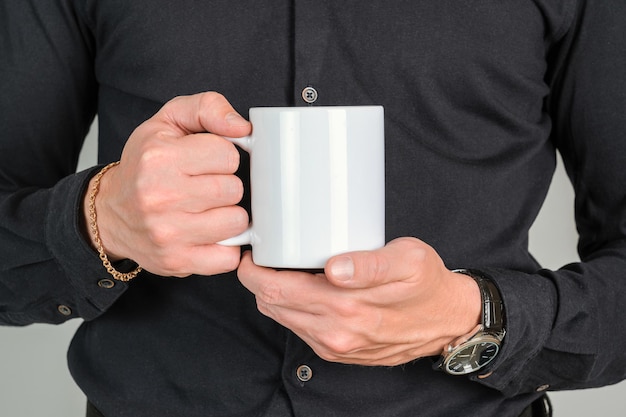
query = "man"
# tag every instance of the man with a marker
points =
(477, 98)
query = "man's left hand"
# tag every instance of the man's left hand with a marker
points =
(382, 307)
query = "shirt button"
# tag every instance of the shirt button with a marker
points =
(304, 373)
(309, 94)
(65, 310)
(542, 388)
(106, 283)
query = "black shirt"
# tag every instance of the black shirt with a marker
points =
(478, 97)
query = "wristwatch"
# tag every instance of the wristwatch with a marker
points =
(478, 348)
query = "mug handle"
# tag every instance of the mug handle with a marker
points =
(244, 143)
(245, 238)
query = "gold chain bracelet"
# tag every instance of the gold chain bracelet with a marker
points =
(93, 225)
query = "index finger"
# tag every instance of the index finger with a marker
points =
(291, 289)
(205, 153)
(203, 112)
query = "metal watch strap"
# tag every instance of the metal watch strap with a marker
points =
(493, 317)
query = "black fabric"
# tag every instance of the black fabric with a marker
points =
(539, 408)
(478, 97)
(92, 411)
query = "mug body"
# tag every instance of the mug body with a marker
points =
(317, 183)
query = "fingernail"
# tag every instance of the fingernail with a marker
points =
(235, 120)
(342, 269)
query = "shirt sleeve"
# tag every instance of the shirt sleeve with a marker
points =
(48, 94)
(565, 327)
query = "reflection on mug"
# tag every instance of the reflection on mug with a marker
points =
(317, 179)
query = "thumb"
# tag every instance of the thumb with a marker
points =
(203, 112)
(358, 269)
(400, 259)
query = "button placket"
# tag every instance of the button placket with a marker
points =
(310, 49)
(300, 363)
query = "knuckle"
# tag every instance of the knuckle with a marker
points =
(326, 355)
(152, 153)
(211, 98)
(227, 189)
(237, 189)
(149, 165)
(161, 235)
(145, 203)
(216, 186)
(145, 195)
(415, 258)
(174, 101)
(230, 221)
(211, 102)
(263, 308)
(170, 108)
(416, 249)
(173, 265)
(230, 261)
(377, 266)
(239, 218)
(233, 159)
(347, 308)
(269, 294)
(331, 357)
(338, 345)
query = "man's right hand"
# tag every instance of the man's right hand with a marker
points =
(174, 193)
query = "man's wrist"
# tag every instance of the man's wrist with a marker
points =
(478, 348)
(468, 304)
(94, 229)
(90, 208)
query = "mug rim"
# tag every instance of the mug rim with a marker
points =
(310, 108)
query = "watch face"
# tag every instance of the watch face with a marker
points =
(471, 356)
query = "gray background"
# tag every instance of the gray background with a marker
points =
(35, 382)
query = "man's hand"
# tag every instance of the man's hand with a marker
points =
(174, 193)
(382, 307)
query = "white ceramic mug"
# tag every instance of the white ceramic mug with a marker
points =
(317, 179)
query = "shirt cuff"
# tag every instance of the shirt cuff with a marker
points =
(530, 303)
(91, 290)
